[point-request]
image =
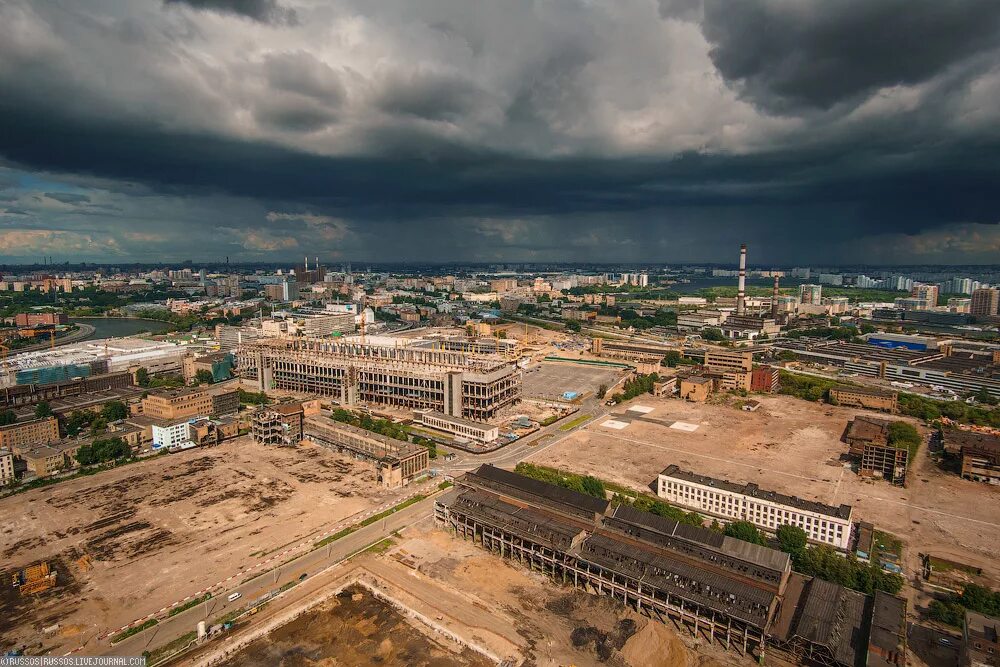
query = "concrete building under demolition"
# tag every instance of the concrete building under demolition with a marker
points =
(397, 462)
(868, 438)
(281, 424)
(649, 353)
(740, 594)
(455, 383)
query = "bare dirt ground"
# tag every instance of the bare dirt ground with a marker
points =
(353, 629)
(154, 532)
(794, 447)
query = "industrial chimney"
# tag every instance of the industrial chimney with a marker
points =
(742, 290)
(774, 299)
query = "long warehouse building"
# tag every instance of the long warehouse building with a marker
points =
(455, 383)
(739, 594)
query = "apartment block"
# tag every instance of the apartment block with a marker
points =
(767, 510)
(176, 404)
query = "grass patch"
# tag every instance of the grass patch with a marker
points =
(549, 421)
(392, 510)
(134, 630)
(289, 585)
(380, 547)
(336, 536)
(187, 605)
(943, 565)
(170, 648)
(445, 485)
(886, 544)
(576, 422)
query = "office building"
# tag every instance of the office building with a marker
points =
(175, 404)
(22, 435)
(768, 510)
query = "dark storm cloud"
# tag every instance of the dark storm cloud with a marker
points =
(543, 130)
(427, 95)
(265, 11)
(793, 54)
(68, 197)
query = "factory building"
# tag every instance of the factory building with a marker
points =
(765, 379)
(740, 595)
(476, 387)
(282, 424)
(962, 371)
(767, 510)
(91, 358)
(980, 453)
(869, 442)
(397, 462)
(811, 294)
(647, 353)
(31, 394)
(463, 428)
(865, 397)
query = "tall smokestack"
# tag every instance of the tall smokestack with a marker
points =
(306, 265)
(741, 292)
(774, 299)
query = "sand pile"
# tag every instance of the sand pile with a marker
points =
(656, 645)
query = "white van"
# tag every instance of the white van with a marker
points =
(234, 596)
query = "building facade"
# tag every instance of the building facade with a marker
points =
(464, 428)
(864, 397)
(170, 435)
(22, 435)
(6, 467)
(985, 302)
(767, 510)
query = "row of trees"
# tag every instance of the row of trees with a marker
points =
(103, 450)
(640, 384)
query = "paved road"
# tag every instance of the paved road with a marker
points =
(309, 564)
(317, 560)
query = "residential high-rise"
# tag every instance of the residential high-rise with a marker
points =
(985, 302)
(926, 291)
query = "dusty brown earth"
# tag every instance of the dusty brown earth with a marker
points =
(154, 532)
(794, 447)
(352, 629)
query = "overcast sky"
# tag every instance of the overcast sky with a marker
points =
(464, 130)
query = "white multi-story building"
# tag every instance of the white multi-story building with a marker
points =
(824, 524)
(171, 435)
(464, 428)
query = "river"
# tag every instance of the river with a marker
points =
(112, 327)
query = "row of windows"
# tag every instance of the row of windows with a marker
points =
(768, 516)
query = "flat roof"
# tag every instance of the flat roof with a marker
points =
(864, 391)
(752, 490)
(550, 492)
(455, 420)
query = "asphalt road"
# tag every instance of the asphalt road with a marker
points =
(309, 564)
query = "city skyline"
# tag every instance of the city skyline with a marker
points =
(629, 132)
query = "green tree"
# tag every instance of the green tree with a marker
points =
(712, 333)
(114, 411)
(574, 326)
(142, 377)
(593, 487)
(204, 376)
(43, 410)
(746, 531)
(602, 390)
(7, 417)
(792, 540)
